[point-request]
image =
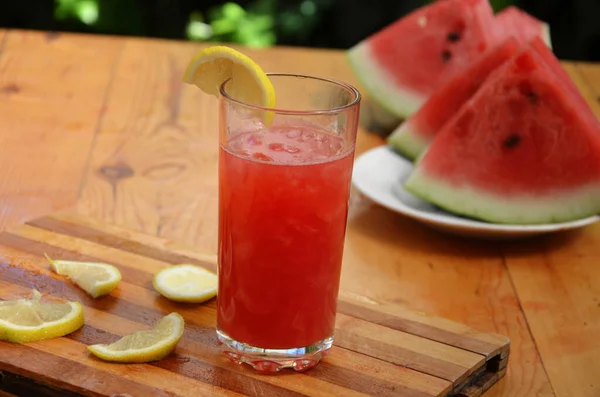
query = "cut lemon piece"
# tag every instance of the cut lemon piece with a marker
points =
(97, 279)
(186, 283)
(212, 66)
(144, 346)
(30, 320)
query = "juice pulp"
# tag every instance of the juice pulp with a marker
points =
(283, 204)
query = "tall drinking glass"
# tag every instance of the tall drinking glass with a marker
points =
(284, 182)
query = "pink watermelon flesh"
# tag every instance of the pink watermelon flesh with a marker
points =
(520, 151)
(558, 69)
(406, 62)
(415, 134)
(516, 22)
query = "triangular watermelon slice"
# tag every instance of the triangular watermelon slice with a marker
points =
(525, 27)
(407, 61)
(522, 150)
(414, 135)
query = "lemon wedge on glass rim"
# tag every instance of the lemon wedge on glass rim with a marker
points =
(212, 66)
(144, 346)
(186, 283)
(29, 320)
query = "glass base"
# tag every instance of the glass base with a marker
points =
(274, 360)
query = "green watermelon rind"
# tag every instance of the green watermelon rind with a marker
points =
(399, 101)
(406, 141)
(561, 206)
(546, 36)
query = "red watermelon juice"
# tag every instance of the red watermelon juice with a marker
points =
(283, 205)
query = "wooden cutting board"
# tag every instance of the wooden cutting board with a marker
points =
(382, 350)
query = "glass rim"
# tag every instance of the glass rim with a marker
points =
(354, 102)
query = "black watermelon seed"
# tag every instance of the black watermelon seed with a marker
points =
(526, 90)
(453, 36)
(512, 141)
(446, 55)
(533, 98)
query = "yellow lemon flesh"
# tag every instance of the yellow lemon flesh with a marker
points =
(30, 320)
(212, 66)
(186, 283)
(97, 279)
(144, 346)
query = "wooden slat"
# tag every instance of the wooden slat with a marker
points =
(424, 355)
(446, 332)
(323, 382)
(345, 373)
(54, 235)
(114, 241)
(436, 329)
(404, 354)
(66, 374)
(30, 242)
(51, 100)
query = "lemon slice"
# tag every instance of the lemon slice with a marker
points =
(30, 320)
(144, 346)
(212, 66)
(186, 283)
(97, 279)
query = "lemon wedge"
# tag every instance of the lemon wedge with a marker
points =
(97, 279)
(212, 66)
(30, 320)
(144, 346)
(186, 283)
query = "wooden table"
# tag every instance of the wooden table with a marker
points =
(104, 124)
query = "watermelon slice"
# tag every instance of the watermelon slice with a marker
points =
(407, 61)
(415, 134)
(525, 27)
(522, 150)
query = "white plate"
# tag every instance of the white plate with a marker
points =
(380, 174)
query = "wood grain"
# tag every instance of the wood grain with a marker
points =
(420, 324)
(586, 78)
(390, 259)
(51, 97)
(557, 280)
(415, 352)
(200, 350)
(559, 291)
(152, 169)
(368, 358)
(590, 79)
(442, 359)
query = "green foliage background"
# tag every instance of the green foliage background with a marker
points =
(261, 23)
(257, 23)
